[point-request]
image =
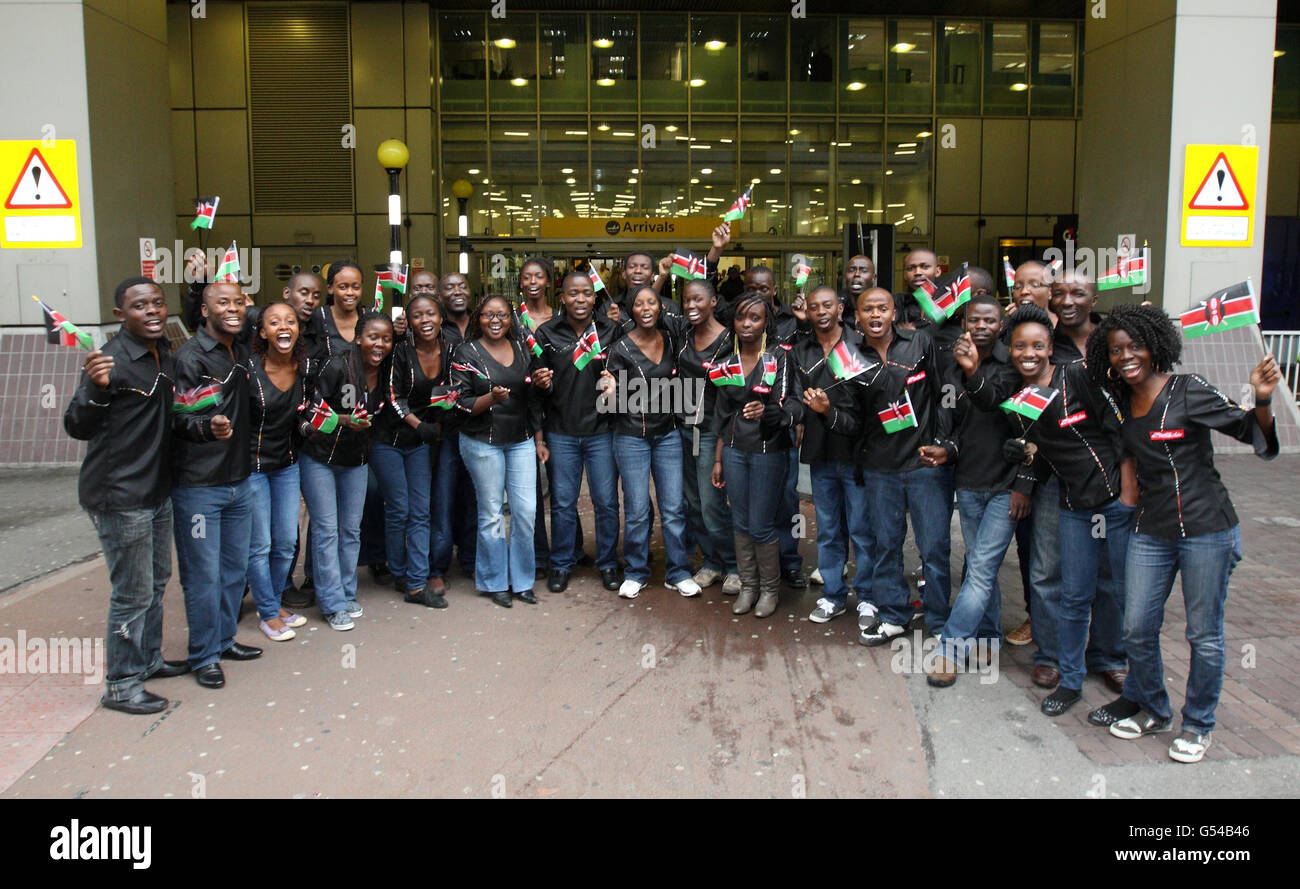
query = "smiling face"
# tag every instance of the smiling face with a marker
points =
(645, 308)
(698, 303)
(761, 281)
(346, 289)
(278, 325)
(919, 265)
(1129, 358)
(983, 323)
(751, 322)
(1031, 286)
(824, 311)
(454, 291)
(638, 269)
(303, 293)
(533, 282)
(224, 308)
(1073, 299)
(376, 341)
(494, 318)
(1031, 350)
(143, 312)
(424, 318)
(578, 297)
(875, 313)
(859, 275)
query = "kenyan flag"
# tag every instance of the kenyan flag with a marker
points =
(446, 399)
(597, 285)
(689, 266)
(587, 348)
(1227, 309)
(62, 331)
(728, 374)
(323, 419)
(738, 209)
(532, 344)
(526, 318)
(205, 210)
(845, 363)
(945, 297)
(391, 277)
(898, 416)
(1029, 402)
(469, 369)
(1010, 274)
(200, 398)
(228, 271)
(801, 273)
(769, 375)
(1128, 272)
(379, 297)
(361, 415)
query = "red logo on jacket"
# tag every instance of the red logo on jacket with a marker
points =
(1166, 434)
(1073, 418)
(916, 378)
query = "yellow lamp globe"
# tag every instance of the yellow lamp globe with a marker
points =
(462, 188)
(393, 154)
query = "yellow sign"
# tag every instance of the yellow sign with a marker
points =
(1219, 195)
(39, 182)
(631, 228)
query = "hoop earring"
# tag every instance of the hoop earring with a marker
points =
(1111, 375)
(762, 343)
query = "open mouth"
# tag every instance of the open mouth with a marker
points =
(153, 324)
(428, 330)
(1130, 369)
(284, 340)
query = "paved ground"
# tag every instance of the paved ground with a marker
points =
(587, 695)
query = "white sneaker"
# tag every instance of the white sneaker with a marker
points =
(631, 589)
(867, 614)
(731, 585)
(825, 610)
(880, 632)
(687, 587)
(706, 577)
(816, 577)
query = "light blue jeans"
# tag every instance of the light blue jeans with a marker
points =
(987, 530)
(276, 497)
(638, 459)
(336, 497)
(842, 518)
(498, 470)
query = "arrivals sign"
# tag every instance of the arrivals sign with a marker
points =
(631, 228)
(1219, 195)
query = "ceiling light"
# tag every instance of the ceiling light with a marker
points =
(755, 181)
(794, 132)
(695, 181)
(519, 81)
(504, 43)
(715, 45)
(892, 206)
(672, 128)
(472, 172)
(855, 182)
(907, 151)
(519, 133)
(575, 132)
(903, 47)
(855, 85)
(602, 43)
(889, 172)
(1019, 87)
(605, 81)
(906, 144)
(604, 128)
(924, 134)
(567, 171)
(570, 181)
(706, 171)
(631, 180)
(698, 81)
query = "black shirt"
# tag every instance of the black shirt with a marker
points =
(981, 434)
(474, 372)
(129, 427)
(274, 414)
(570, 403)
(323, 336)
(770, 432)
(1179, 490)
(341, 384)
(831, 437)
(409, 393)
(1064, 351)
(199, 459)
(693, 364)
(644, 396)
(911, 371)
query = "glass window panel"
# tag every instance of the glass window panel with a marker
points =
(564, 168)
(763, 163)
(862, 67)
(514, 173)
(1052, 92)
(812, 62)
(1286, 75)
(464, 156)
(463, 66)
(713, 153)
(911, 44)
(810, 177)
(907, 179)
(663, 63)
(512, 63)
(615, 176)
(613, 62)
(762, 64)
(563, 57)
(1006, 64)
(664, 177)
(958, 68)
(860, 175)
(713, 63)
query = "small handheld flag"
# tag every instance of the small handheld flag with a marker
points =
(1010, 274)
(469, 369)
(526, 318)
(741, 204)
(205, 210)
(944, 297)
(446, 399)
(765, 385)
(392, 277)
(898, 416)
(845, 362)
(1029, 402)
(597, 285)
(200, 398)
(729, 374)
(1128, 272)
(1225, 309)
(61, 331)
(801, 273)
(323, 419)
(228, 271)
(379, 296)
(532, 344)
(361, 415)
(587, 348)
(689, 266)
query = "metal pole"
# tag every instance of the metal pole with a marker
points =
(394, 219)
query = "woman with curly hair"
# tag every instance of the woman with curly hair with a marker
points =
(1185, 522)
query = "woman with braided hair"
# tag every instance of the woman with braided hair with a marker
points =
(1185, 522)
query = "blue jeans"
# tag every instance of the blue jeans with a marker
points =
(276, 496)
(638, 459)
(842, 515)
(1206, 562)
(987, 530)
(403, 475)
(214, 526)
(138, 552)
(453, 509)
(569, 454)
(497, 469)
(790, 558)
(707, 515)
(1045, 570)
(755, 484)
(374, 545)
(336, 497)
(1088, 593)
(926, 494)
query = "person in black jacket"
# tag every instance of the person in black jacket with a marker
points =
(122, 407)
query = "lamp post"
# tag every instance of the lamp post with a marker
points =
(463, 190)
(393, 156)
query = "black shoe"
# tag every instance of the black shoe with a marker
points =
(502, 598)
(170, 669)
(143, 703)
(380, 573)
(1060, 700)
(237, 652)
(586, 561)
(559, 581)
(1120, 708)
(541, 570)
(610, 578)
(210, 676)
(526, 596)
(794, 579)
(298, 598)
(400, 585)
(427, 597)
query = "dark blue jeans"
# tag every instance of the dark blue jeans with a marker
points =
(790, 558)
(138, 552)
(755, 484)
(214, 526)
(374, 545)
(569, 454)
(639, 459)
(453, 510)
(1088, 536)
(1205, 562)
(403, 475)
(707, 515)
(842, 516)
(1045, 570)
(276, 498)
(925, 494)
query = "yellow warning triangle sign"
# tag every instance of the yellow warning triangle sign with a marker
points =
(1219, 190)
(37, 188)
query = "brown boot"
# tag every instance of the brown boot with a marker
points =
(747, 568)
(942, 673)
(769, 578)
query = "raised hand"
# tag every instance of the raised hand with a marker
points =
(98, 366)
(1265, 377)
(966, 355)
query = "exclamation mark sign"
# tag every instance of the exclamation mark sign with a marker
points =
(1219, 174)
(36, 175)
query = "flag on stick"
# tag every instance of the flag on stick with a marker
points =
(205, 210)
(899, 415)
(63, 332)
(801, 273)
(764, 385)
(323, 419)
(392, 277)
(1128, 272)
(1029, 402)
(526, 318)
(200, 398)
(228, 271)
(469, 369)
(730, 373)
(689, 266)
(379, 296)
(587, 348)
(741, 204)
(597, 285)
(845, 362)
(532, 343)
(941, 299)
(1010, 274)
(445, 399)
(1225, 309)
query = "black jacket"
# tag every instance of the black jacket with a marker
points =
(911, 371)
(570, 402)
(474, 372)
(833, 437)
(772, 431)
(981, 434)
(199, 459)
(275, 415)
(643, 403)
(410, 392)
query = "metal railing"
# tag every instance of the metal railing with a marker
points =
(1285, 346)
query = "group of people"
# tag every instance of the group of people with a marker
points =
(1043, 422)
